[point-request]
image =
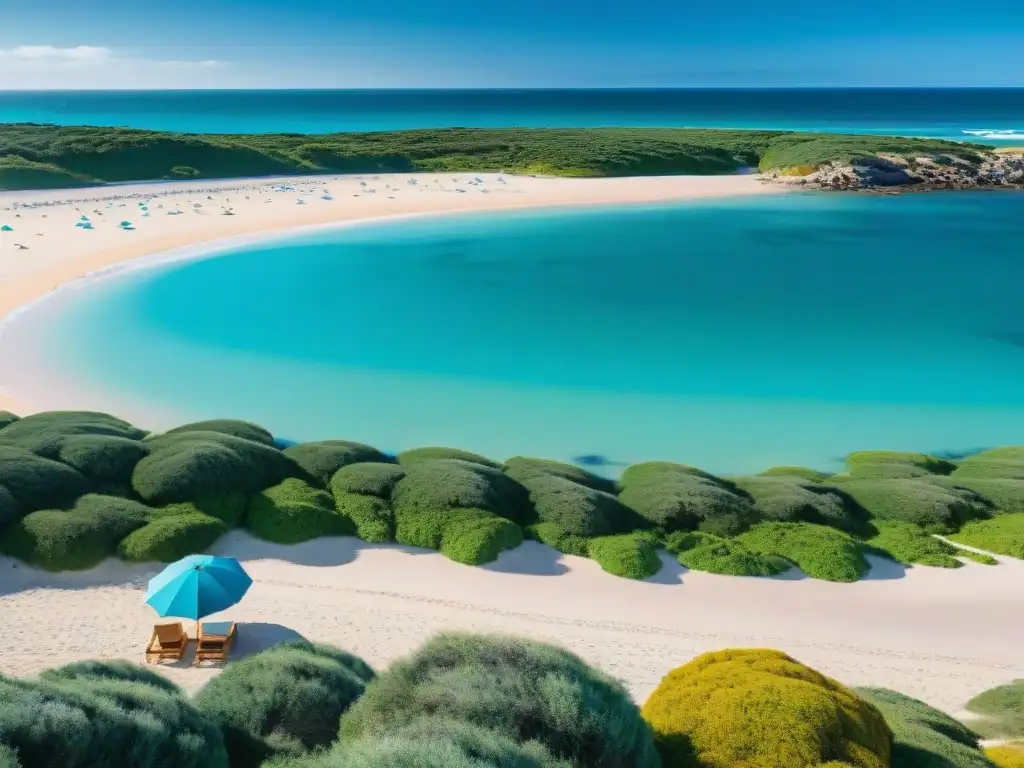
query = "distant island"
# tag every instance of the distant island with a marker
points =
(36, 156)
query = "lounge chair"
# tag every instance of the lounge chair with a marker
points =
(168, 642)
(215, 641)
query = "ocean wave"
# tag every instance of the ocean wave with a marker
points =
(996, 134)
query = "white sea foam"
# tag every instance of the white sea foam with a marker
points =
(996, 134)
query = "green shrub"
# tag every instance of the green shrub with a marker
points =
(10, 510)
(923, 737)
(416, 455)
(442, 484)
(894, 465)
(553, 536)
(285, 700)
(790, 500)
(228, 507)
(109, 670)
(168, 538)
(103, 458)
(761, 708)
(233, 427)
(578, 510)
(907, 543)
(677, 497)
(1003, 495)
(6, 417)
(75, 539)
(474, 540)
(1003, 463)
(800, 473)
(9, 758)
(522, 469)
(371, 516)
(294, 511)
(706, 552)
(1003, 535)
(1006, 755)
(626, 556)
(819, 551)
(371, 478)
(44, 433)
(98, 722)
(1002, 708)
(526, 690)
(39, 483)
(190, 465)
(936, 509)
(321, 460)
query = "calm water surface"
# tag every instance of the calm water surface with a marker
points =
(730, 334)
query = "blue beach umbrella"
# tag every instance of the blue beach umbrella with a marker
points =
(6, 228)
(197, 586)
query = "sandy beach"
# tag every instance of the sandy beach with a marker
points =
(940, 635)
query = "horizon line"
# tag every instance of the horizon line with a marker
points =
(506, 89)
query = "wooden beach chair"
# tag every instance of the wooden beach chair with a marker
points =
(215, 641)
(168, 642)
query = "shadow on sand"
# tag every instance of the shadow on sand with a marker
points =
(530, 558)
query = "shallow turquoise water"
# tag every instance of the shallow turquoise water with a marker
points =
(731, 334)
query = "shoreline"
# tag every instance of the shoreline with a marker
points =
(57, 255)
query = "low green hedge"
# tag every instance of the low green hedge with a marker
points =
(556, 538)
(790, 500)
(522, 469)
(578, 510)
(930, 506)
(168, 538)
(78, 538)
(37, 482)
(820, 552)
(908, 544)
(234, 427)
(1002, 535)
(321, 460)
(627, 556)
(800, 473)
(6, 418)
(1003, 495)
(1002, 711)
(294, 511)
(44, 433)
(10, 510)
(464, 534)
(371, 478)
(1004, 463)
(416, 455)
(228, 507)
(700, 551)
(894, 465)
(371, 516)
(103, 458)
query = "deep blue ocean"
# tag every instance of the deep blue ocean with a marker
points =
(989, 115)
(733, 334)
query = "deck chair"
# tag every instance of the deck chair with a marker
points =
(168, 642)
(215, 641)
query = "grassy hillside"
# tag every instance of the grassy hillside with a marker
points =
(40, 156)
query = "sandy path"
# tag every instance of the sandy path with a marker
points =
(941, 635)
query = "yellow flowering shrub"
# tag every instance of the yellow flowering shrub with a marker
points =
(759, 708)
(1007, 755)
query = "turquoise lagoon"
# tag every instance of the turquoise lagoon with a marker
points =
(732, 334)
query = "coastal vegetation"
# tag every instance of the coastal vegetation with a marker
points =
(47, 156)
(78, 487)
(473, 701)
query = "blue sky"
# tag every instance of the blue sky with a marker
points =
(508, 43)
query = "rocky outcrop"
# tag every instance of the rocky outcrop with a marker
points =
(894, 172)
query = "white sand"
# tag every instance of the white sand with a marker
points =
(941, 635)
(57, 252)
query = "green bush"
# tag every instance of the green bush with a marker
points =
(6, 417)
(370, 478)
(819, 551)
(228, 507)
(761, 708)
(416, 455)
(923, 737)
(578, 510)
(1002, 708)
(677, 497)
(103, 458)
(936, 509)
(44, 433)
(39, 483)
(1003, 495)
(894, 465)
(522, 469)
(1003, 535)
(10, 510)
(102, 721)
(441, 484)
(800, 473)
(907, 543)
(626, 556)
(553, 536)
(371, 516)
(526, 690)
(1003, 463)
(78, 538)
(189, 465)
(790, 500)
(285, 700)
(168, 538)
(107, 671)
(464, 534)
(295, 511)
(321, 460)
(233, 427)
(706, 552)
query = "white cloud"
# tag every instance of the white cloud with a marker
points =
(47, 66)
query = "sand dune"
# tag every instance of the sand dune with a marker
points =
(941, 635)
